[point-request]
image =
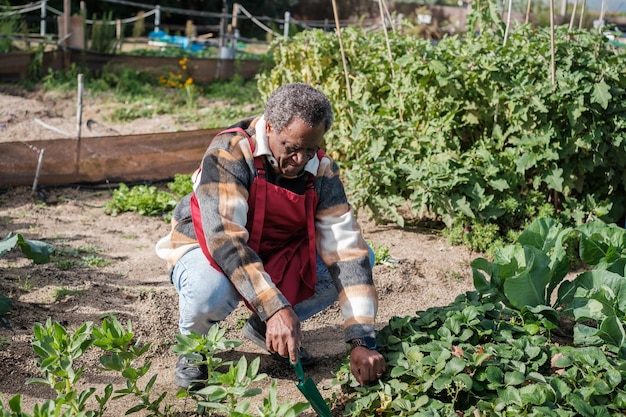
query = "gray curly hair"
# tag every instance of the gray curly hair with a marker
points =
(298, 100)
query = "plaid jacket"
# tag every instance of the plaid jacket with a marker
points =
(222, 186)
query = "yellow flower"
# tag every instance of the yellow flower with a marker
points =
(189, 81)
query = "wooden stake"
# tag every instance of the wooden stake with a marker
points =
(552, 59)
(382, 22)
(39, 163)
(571, 21)
(508, 23)
(527, 12)
(79, 122)
(343, 53)
(582, 13)
(67, 4)
(602, 9)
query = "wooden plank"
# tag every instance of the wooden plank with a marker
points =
(131, 158)
(14, 66)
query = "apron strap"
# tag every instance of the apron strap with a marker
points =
(259, 206)
(311, 201)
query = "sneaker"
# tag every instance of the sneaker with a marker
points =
(188, 374)
(254, 330)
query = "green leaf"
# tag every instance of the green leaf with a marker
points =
(455, 365)
(5, 305)
(528, 286)
(596, 280)
(15, 404)
(601, 94)
(495, 376)
(514, 378)
(554, 178)
(612, 331)
(39, 252)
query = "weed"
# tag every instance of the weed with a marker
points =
(84, 256)
(453, 276)
(241, 321)
(96, 261)
(139, 108)
(381, 254)
(62, 292)
(64, 264)
(24, 284)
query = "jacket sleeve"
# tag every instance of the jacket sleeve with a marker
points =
(343, 249)
(222, 193)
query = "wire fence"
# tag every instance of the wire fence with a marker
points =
(239, 12)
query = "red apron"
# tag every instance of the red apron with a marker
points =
(281, 224)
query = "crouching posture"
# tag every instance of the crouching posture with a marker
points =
(269, 224)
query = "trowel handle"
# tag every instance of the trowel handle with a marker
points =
(298, 367)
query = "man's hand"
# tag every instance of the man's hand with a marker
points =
(283, 334)
(367, 365)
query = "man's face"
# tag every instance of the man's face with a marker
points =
(295, 145)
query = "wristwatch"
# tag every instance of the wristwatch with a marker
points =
(367, 342)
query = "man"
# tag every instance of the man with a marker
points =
(269, 223)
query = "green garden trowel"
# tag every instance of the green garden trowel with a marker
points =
(310, 391)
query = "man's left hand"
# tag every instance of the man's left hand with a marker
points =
(367, 365)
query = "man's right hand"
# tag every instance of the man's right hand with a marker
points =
(283, 334)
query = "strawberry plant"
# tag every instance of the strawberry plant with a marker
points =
(495, 351)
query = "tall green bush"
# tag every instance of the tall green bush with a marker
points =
(471, 131)
(9, 26)
(103, 34)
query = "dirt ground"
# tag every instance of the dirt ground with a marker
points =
(133, 284)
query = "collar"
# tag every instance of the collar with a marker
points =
(263, 148)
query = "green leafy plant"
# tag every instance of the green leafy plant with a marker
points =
(39, 252)
(471, 132)
(381, 254)
(103, 36)
(62, 292)
(472, 358)
(9, 26)
(149, 200)
(143, 199)
(84, 256)
(491, 352)
(122, 354)
(59, 353)
(525, 274)
(524, 277)
(181, 185)
(228, 382)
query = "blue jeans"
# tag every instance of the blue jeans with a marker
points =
(206, 296)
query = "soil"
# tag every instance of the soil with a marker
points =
(133, 284)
